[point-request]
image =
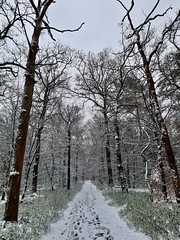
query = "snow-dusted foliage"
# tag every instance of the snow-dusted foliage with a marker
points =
(36, 213)
(160, 221)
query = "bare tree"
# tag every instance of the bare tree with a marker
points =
(71, 116)
(10, 107)
(11, 209)
(95, 77)
(173, 31)
(96, 168)
(53, 78)
(40, 22)
(141, 43)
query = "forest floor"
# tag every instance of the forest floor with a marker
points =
(89, 217)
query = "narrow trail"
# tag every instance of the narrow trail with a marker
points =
(89, 217)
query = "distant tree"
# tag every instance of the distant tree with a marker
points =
(96, 167)
(170, 72)
(9, 111)
(53, 77)
(10, 17)
(96, 74)
(51, 73)
(71, 116)
(173, 30)
(118, 97)
(78, 151)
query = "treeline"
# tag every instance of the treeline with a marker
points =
(46, 138)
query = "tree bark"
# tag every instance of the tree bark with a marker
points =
(38, 142)
(101, 168)
(134, 174)
(161, 166)
(27, 172)
(120, 169)
(69, 161)
(36, 162)
(64, 182)
(128, 174)
(51, 173)
(76, 166)
(108, 153)
(163, 180)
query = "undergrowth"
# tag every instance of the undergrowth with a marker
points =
(160, 221)
(35, 217)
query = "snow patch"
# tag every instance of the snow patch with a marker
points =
(14, 173)
(2, 202)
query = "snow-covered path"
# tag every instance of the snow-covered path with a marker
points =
(89, 217)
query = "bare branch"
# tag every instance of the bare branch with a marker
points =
(128, 10)
(49, 30)
(157, 15)
(24, 28)
(34, 7)
(173, 29)
(10, 22)
(58, 30)
(10, 64)
(46, 5)
(122, 5)
(151, 12)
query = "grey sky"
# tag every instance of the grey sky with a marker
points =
(101, 19)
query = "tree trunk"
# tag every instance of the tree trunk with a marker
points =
(38, 143)
(120, 169)
(28, 168)
(69, 160)
(134, 174)
(76, 166)
(50, 175)
(108, 153)
(3, 196)
(163, 180)
(161, 167)
(101, 167)
(76, 172)
(128, 174)
(36, 162)
(64, 184)
(52, 169)
(147, 175)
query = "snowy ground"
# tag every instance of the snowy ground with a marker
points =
(89, 217)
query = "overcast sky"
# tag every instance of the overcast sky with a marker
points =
(101, 19)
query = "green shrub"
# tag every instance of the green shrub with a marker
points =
(160, 221)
